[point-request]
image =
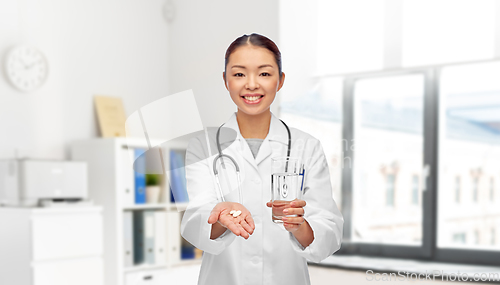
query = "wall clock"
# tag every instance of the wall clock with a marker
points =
(26, 68)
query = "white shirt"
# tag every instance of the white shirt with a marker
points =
(271, 255)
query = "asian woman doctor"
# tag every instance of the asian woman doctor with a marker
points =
(266, 253)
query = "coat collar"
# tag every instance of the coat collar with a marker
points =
(277, 133)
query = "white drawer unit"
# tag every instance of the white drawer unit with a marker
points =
(72, 235)
(51, 246)
(146, 277)
(64, 272)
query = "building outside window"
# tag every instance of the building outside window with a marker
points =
(389, 190)
(475, 189)
(414, 185)
(459, 238)
(493, 237)
(492, 189)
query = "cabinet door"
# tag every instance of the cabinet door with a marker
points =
(150, 277)
(69, 236)
(75, 272)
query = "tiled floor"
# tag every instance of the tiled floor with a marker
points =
(324, 275)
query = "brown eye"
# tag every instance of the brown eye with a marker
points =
(238, 74)
(265, 74)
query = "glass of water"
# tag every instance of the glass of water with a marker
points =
(285, 185)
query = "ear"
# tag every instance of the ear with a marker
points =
(282, 80)
(225, 82)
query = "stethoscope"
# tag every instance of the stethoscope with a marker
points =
(237, 168)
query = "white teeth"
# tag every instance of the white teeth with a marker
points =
(252, 98)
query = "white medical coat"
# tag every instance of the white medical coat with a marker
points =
(271, 255)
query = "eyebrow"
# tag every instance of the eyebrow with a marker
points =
(261, 66)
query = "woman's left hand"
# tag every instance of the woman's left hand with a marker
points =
(292, 224)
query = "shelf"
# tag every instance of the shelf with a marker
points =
(146, 206)
(143, 267)
(112, 185)
(170, 207)
(178, 206)
(185, 262)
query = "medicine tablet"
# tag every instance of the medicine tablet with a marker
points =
(232, 212)
(236, 214)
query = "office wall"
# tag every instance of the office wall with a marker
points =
(115, 48)
(299, 47)
(199, 35)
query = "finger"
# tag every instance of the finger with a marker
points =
(214, 216)
(246, 226)
(297, 203)
(234, 228)
(269, 204)
(250, 221)
(293, 220)
(243, 233)
(290, 227)
(294, 211)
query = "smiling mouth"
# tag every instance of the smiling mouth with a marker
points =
(253, 98)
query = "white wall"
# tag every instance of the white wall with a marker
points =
(299, 40)
(199, 35)
(118, 48)
(115, 48)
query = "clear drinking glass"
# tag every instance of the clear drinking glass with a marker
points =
(286, 183)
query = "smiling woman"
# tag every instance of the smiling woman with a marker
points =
(268, 253)
(252, 76)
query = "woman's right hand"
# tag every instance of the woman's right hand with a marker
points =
(243, 225)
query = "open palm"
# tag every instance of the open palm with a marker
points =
(242, 225)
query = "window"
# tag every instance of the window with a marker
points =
(476, 237)
(492, 189)
(320, 113)
(457, 189)
(346, 43)
(387, 131)
(360, 35)
(392, 116)
(415, 185)
(459, 238)
(469, 139)
(492, 242)
(445, 35)
(475, 188)
(389, 190)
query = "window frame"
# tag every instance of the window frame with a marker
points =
(431, 114)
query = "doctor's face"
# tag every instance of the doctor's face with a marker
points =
(252, 79)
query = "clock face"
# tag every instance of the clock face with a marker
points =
(26, 68)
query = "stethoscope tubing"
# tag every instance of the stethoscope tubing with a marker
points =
(237, 168)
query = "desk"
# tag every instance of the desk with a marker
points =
(51, 246)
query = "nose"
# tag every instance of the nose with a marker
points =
(252, 83)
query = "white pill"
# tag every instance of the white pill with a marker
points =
(232, 212)
(236, 214)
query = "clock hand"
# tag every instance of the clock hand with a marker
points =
(23, 64)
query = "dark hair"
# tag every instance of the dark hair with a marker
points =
(255, 40)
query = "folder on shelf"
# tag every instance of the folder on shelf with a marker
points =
(173, 237)
(128, 177)
(138, 237)
(149, 236)
(178, 177)
(160, 237)
(140, 176)
(128, 246)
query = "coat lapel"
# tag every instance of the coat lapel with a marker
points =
(276, 140)
(241, 144)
